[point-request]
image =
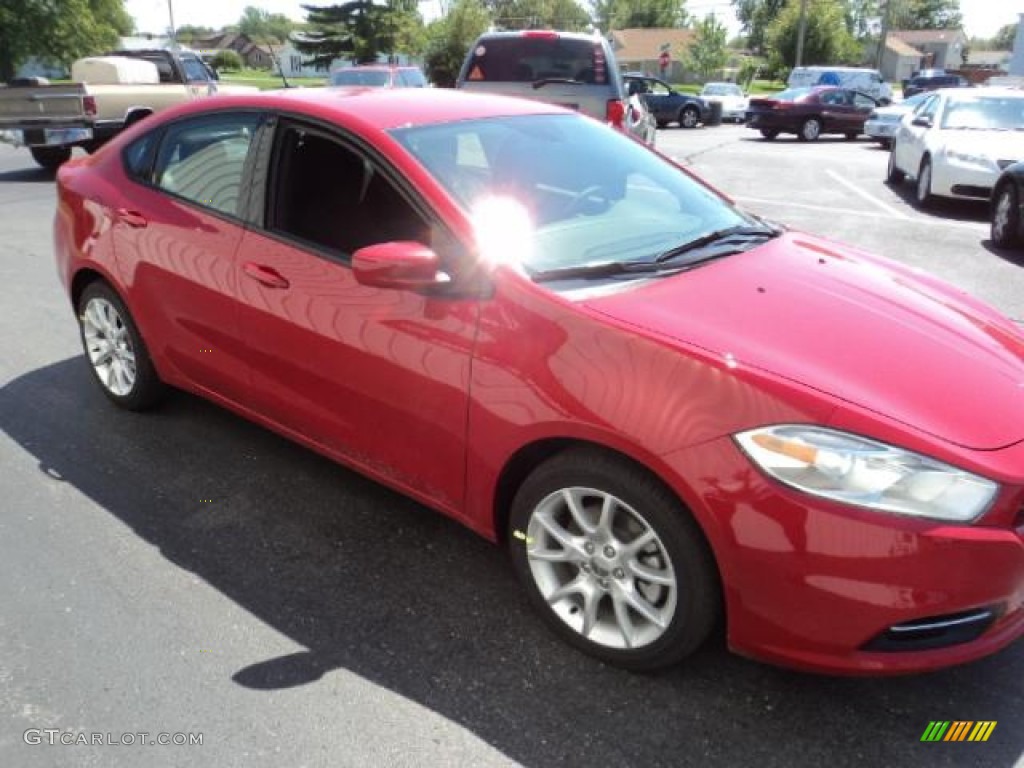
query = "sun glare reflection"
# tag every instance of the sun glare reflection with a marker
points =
(504, 231)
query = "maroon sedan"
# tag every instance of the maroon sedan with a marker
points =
(668, 410)
(810, 112)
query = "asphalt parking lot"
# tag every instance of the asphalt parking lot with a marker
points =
(188, 572)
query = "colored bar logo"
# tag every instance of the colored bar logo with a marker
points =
(959, 730)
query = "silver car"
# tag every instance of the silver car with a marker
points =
(570, 69)
(882, 123)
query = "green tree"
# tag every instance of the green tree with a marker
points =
(861, 15)
(925, 14)
(187, 33)
(755, 16)
(538, 14)
(450, 37)
(361, 30)
(629, 14)
(227, 60)
(708, 52)
(827, 40)
(58, 31)
(1003, 41)
(263, 26)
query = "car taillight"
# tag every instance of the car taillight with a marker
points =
(616, 113)
(547, 34)
(89, 106)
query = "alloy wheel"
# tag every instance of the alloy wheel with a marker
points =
(109, 347)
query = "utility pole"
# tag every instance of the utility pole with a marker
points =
(801, 33)
(170, 11)
(886, 16)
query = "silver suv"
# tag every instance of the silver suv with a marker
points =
(570, 69)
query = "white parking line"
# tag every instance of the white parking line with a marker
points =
(976, 226)
(870, 198)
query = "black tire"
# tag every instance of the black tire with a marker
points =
(851, 135)
(50, 158)
(1005, 232)
(923, 186)
(894, 175)
(810, 129)
(688, 609)
(146, 389)
(689, 117)
(662, 123)
(769, 134)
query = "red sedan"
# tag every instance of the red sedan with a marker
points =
(811, 112)
(668, 410)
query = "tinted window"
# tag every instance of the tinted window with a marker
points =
(202, 160)
(327, 194)
(138, 157)
(526, 59)
(377, 78)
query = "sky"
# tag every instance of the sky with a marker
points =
(982, 18)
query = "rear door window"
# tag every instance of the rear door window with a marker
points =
(526, 59)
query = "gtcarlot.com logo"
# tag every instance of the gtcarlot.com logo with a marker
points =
(55, 736)
(958, 730)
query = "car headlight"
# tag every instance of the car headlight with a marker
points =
(855, 470)
(971, 158)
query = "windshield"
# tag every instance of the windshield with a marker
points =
(991, 113)
(566, 192)
(721, 89)
(371, 77)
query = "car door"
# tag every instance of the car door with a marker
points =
(836, 110)
(663, 102)
(176, 230)
(377, 377)
(909, 145)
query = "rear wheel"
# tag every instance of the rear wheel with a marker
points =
(115, 350)
(612, 561)
(50, 158)
(810, 130)
(689, 117)
(1006, 217)
(768, 134)
(924, 184)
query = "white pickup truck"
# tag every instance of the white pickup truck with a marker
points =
(109, 94)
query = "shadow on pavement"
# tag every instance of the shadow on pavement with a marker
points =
(28, 174)
(1013, 255)
(373, 583)
(942, 207)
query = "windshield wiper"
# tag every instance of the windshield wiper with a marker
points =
(550, 80)
(718, 238)
(597, 269)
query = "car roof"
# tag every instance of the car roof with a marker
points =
(373, 67)
(375, 108)
(541, 33)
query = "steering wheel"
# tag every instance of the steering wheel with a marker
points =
(577, 204)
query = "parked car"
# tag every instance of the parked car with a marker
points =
(570, 69)
(668, 410)
(666, 103)
(1007, 197)
(732, 98)
(378, 76)
(932, 81)
(811, 112)
(956, 142)
(882, 122)
(860, 79)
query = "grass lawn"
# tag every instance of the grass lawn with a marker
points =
(264, 80)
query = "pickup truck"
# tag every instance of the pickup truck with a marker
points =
(109, 93)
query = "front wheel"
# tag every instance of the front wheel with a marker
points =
(117, 355)
(810, 130)
(612, 561)
(924, 184)
(50, 158)
(1005, 231)
(689, 117)
(894, 175)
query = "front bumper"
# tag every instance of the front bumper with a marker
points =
(818, 585)
(953, 178)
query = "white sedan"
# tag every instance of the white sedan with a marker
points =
(734, 101)
(957, 141)
(882, 123)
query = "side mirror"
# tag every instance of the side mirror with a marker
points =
(407, 266)
(922, 122)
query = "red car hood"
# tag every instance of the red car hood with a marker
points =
(854, 326)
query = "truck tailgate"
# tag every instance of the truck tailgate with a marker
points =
(41, 105)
